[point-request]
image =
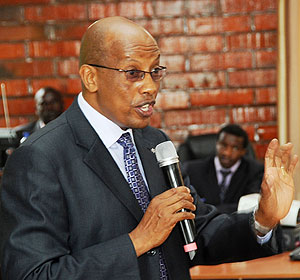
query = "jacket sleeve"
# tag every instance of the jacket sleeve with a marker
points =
(228, 237)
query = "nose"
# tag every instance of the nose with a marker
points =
(149, 86)
(227, 151)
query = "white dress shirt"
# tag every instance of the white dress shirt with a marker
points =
(232, 170)
(109, 133)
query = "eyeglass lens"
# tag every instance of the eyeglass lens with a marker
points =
(135, 75)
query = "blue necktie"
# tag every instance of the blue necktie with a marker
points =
(138, 185)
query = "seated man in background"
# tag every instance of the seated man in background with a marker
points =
(222, 179)
(49, 105)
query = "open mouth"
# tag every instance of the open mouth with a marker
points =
(145, 110)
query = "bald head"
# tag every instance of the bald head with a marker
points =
(104, 38)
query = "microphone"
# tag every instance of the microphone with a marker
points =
(168, 161)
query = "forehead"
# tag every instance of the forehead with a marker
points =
(49, 96)
(231, 139)
(136, 45)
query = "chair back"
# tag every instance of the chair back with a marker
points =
(201, 146)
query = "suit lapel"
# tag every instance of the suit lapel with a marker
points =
(100, 161)
(154, 176)
(214, 189)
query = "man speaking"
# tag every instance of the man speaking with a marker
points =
(84, 198)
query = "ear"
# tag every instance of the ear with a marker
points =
(88, 76)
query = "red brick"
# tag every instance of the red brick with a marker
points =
(172, 100)
(70, 31)
(252, 78)
(163, 26)
(66, 86)
(11, 50)
(172, 45)
(205, 116)
(237, 23)
(176, 135)
(195, 7)
(221, 97)
(136, 9)
(97, 11)
(261, 150)
(266, 58)
(194, 80)
(67, 67)
(15, 87)
(155, 120)
(203, 130)
(266, 95)
(250, 129)
(240, 6)
(20, 106)
(256, 40)
(15, 33)
(205, 25)
(68, 101)
(169, 8)
(174, 63)
(127, 9)
(267, 132)
(27, 69)
(15, 121)
(266, 22)
(205, 43)
(59, 84)
(211, 25)
(221, 61)
(73, 85)
(253, 114)
(21, 2)
(57, 12)
(52, 49)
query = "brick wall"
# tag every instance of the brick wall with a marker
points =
(221, 56)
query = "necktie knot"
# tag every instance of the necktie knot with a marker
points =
(225, 173)
(125, 141)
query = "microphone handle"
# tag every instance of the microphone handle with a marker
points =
(173, 176)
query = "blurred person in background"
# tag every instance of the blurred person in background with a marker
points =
(49, 105)
(223, 179)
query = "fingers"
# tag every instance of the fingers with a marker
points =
(161, 216)
(270, 153)
(280, 156)
(293, 164)
(174, 200)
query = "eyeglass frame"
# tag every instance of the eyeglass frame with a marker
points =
(164, 68)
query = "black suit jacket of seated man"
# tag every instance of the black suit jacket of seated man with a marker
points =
(246, 180)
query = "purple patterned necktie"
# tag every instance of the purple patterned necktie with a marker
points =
(222, 186)
(138, 185)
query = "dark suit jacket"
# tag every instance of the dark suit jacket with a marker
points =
(66, 211)
(247, 179)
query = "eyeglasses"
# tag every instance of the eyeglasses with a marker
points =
(157, 74)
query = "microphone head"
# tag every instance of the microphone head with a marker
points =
(166, 153)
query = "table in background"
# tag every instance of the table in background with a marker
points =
(278, 266)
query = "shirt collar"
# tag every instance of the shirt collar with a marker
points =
(108, 131)
(232, 169)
